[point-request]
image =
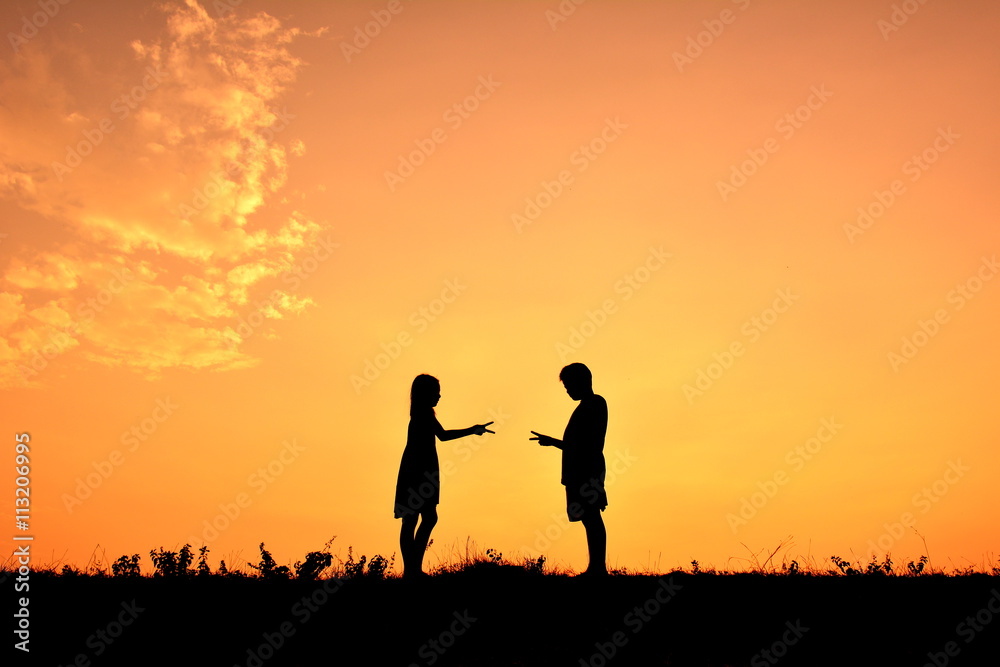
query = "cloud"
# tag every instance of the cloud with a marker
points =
(159, 188)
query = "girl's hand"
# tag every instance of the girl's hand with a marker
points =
(480, 429)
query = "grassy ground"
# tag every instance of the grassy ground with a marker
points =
(483, 609)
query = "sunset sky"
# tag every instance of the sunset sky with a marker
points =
(231, 233)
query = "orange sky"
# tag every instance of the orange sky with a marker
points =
(232, 238)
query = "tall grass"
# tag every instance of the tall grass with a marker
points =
(470, 559)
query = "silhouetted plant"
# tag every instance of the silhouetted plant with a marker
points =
(378, 565)
(203, 569)
(917, 568)
(792, 568)
(844, 566)
(874, 568)
(126, 566)
(268, 567)
(695, 567)
(172, 563)
(315, 562)
(535, 566)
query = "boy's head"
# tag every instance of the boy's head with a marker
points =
(577, 379)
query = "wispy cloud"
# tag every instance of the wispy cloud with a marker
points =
(160, 183)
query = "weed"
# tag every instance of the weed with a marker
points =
(315, 563)
(125, 566)
(377, 567)
(874, 568)
(767, 565)
(918, 568)
(268, 567)
(536, 566)
(844, 566)
(172, 563)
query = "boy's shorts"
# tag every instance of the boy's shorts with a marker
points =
(585, 499)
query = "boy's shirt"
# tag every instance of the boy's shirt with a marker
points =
(583, 442)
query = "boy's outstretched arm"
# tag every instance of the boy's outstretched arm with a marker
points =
(547, 441)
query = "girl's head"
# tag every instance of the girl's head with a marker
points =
(424, 394)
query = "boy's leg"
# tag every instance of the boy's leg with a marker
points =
(597, 541)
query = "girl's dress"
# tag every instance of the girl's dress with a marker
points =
(418, 486)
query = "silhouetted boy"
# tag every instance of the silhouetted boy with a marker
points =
(583, 467)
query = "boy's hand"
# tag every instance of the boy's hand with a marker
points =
(480, 429)
(544, 440)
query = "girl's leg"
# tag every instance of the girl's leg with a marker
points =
(406, 542)
(428, 518)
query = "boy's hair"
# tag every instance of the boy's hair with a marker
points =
(576, 372)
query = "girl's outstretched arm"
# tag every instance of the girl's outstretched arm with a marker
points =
(478, 429)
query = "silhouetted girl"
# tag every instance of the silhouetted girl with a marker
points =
(418, 486)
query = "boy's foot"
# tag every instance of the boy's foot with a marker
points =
(588, 574)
